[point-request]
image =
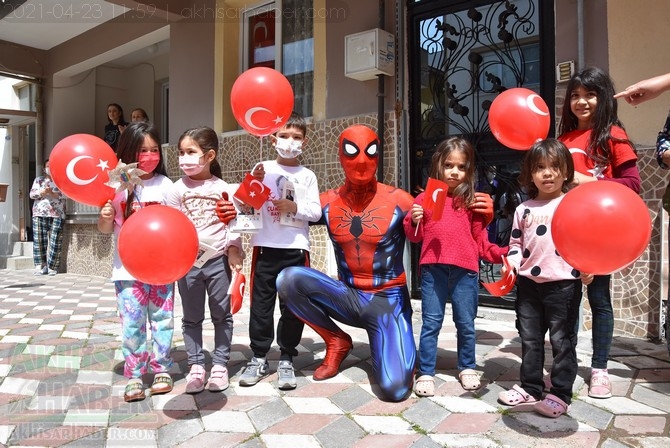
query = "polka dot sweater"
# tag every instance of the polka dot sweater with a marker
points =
(531, 248)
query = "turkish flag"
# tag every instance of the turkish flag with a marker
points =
(435, 196)
(236, 291)
(252, 192)
(505, 284)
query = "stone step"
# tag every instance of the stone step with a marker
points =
(16, 262)
(22, 248)
(21, 256)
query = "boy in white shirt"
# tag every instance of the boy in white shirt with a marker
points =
(283, 241)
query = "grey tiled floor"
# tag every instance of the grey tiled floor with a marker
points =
(61, 384)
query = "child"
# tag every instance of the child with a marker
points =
(277, 246)
(601, 151)
(548, 289)
(450, 253)
(138, 301)
(196, 194)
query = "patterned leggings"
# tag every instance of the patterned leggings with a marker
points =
(47, 233)
(138, 302)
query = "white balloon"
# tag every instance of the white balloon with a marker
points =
(69, 171)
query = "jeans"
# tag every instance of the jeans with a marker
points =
(553, 307)
(440, 282)
(602, 329)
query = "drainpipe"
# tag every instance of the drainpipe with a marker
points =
(580, 35)
(380, 103)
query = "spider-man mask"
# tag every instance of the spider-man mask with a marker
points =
(359, 154)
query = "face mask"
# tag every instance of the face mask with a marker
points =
(288, 148)
(148, 161)
(47, 171)
(191, 165)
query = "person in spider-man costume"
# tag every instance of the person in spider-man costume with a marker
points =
(364, 221)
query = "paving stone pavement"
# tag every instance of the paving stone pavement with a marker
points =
(61, 384)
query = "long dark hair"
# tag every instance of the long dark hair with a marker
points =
(464, 194)
(128, 149)
(122, 120)
(556, 154)
(606, 114)
(207, 140)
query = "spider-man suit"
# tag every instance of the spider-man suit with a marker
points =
(364, 220)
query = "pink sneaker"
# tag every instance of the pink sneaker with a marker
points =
(195, 380)
(600, 385)
(218, 380)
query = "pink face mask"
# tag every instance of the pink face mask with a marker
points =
(148, 161)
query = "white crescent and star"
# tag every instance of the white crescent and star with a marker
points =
(262, 187)
(248, 117)
(69, 170)
(530, 102)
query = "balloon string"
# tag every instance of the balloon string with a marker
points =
(260, 149)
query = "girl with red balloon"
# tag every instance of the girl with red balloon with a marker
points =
(601, 151)
(549, 290)
(137, 300)
(202, 196)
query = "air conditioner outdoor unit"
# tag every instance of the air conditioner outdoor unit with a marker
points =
(368, 54)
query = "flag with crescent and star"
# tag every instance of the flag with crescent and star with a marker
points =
(252, 192)
(505, 284)
(435, 197)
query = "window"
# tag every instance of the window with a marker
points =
(280, 35)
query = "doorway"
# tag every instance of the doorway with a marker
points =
(462, 55)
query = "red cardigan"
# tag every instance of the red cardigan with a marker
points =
(459, 238)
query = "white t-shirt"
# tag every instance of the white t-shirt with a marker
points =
(153, 191)
(273, 233)
(197, 200)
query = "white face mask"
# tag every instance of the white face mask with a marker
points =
(191, 165)
(288, 148)
(47, 171)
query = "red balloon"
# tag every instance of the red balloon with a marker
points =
(518, 118)
(79, 167)
(262, 100)
(158, 244)
(601, 227)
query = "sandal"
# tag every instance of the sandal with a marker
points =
(469, 379)
(134, 390)
(600, 385)
(515, 396)
(552, 406)
(162, 384)
(424, 386)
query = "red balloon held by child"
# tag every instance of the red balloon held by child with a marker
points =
(158, 244)
(518, 118)
(80, 165)
(261, 100)
(601, 227)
